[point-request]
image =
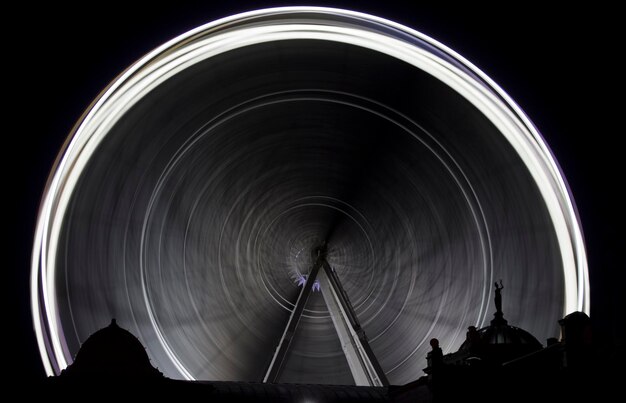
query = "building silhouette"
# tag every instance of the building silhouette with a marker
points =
(501, 362)
(498, 363)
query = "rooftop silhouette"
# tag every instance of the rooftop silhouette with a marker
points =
(499, 362)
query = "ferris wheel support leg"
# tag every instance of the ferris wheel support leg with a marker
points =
(273, 372)
(364, 366)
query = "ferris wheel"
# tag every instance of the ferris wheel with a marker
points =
(301, 194)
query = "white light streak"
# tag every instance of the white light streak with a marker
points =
(326, 24)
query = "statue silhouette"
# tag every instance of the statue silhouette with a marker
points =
(498, 297)
(436, 355)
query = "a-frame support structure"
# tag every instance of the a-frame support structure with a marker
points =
(364, 366)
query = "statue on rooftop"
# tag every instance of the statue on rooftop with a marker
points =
(498, 298)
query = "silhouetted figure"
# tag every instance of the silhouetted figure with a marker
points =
(435, 371)
(435, 355)
(498, 298)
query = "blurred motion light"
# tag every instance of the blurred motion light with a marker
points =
(273, 25)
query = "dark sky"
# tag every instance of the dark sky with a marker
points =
(559, 65)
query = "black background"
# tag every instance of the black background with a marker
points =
(560, 65)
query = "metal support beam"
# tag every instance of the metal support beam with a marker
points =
(273, 372)
(363, 364)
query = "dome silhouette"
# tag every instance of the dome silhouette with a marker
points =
(506, 335)
(499, 342)
(112, 352)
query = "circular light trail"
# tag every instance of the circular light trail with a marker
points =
(384, 299)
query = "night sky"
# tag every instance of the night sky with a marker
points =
(557, 64)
